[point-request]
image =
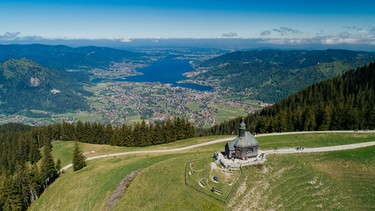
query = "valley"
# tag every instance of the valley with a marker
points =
(207, 87)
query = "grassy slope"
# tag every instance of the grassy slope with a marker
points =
(336, 180)
(342, 180)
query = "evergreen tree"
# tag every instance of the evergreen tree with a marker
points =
(36, 183)
(48, 168)
(109, 135)
(58, 164)
(79, 161)
(67, 131)
(34, 154)
(157, 134)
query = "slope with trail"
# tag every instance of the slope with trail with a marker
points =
(278, 151)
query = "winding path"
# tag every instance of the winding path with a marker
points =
(279, 151)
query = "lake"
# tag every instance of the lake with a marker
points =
(165, 72)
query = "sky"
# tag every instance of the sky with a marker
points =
(270, 21)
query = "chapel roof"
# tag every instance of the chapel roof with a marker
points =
(244, 139)
(241, 142)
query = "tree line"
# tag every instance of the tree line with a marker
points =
(346, 102)
(139, 134)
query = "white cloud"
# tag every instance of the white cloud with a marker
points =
(9, 36)
(229, 34)
(356, 36)
(286, 30)
(126, 40)
(265, 33)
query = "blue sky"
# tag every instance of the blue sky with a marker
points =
(273, 21)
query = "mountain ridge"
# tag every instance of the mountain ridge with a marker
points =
(27, 85)
(64, 57)
(271, 75)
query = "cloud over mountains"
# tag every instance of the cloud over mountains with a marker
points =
(350, 37)
(282, 31)
(9, 35)
(229, 34)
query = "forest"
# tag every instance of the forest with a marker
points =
(272, 75)
(26, 86)
(27, 166)
(345, 102)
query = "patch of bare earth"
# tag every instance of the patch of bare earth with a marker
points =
(121, 188)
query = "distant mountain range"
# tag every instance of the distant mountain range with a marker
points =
(64, 57)
(271, 75)
(35, 77)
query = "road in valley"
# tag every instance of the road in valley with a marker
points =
(278, 151)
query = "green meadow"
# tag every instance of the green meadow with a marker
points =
(341, 180)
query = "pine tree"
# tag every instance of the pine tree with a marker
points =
(49, 172)
(58, 164)
(34, 153)
(79, 161)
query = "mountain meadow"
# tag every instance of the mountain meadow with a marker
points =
(342, 180)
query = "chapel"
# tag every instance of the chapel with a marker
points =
(243, 146)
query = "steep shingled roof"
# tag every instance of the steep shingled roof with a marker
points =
(248, 140)
(244, 139)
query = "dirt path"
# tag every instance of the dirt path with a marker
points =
(321, 149)
(279, 151)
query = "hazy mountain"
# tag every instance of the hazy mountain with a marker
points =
(26, 85)
(64, 57)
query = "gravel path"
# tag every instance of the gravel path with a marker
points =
(321, 149)
(279, 151)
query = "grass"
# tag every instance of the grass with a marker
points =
(199, 175)
(194, 106)
(313, 140)
(322, 181)
(64, 150)
(133, 119)
(225, 112)
(343, 180)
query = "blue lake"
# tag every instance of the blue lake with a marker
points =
(166, 72)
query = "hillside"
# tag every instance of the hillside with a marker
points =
(272, 75)
(345, 102)
(300, 181)
(26, 85)
(63, 57)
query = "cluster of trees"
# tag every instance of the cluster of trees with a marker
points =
(138, 135)
(22, 180)
(345, 102)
